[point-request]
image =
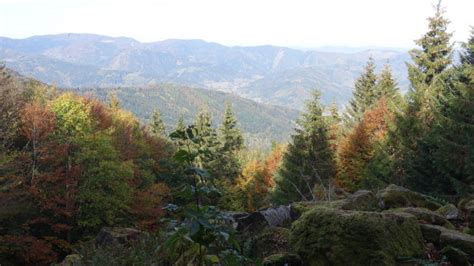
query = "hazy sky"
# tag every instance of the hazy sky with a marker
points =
(311, 23)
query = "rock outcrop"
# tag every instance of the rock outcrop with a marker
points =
(395, 196)
(325, 236)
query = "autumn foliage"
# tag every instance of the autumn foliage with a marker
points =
(256, 180)
(76, 166)
(357, 148)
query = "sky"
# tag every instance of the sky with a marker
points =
(294, 23)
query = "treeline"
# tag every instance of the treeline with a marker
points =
(423, 140)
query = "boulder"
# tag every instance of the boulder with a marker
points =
(282, 259)
(458, 240)
(451, 213)
(431, 233)
(425, 216)
(325, 236)
(270, 241)
(118, 236)
(362, 200)
(395, 196)
(298, 208)
(281, 216)
(444, 237)
(456, 256)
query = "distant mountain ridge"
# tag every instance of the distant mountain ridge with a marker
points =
(268, 74)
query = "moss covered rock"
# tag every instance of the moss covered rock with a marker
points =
(271, 240)
(425, 216)
(298, 208)
(282, 259)
(456, 256)
(450, 212)
(444, 237)
(395, 196)
(362, 200)
(324, 236)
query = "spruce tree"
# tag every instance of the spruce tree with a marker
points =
(230, 135)
(413, 135)
(453, 135)
(309, 159)
(387, 87)
(157, 126)
(208, 142)
(231, 142)
(364, 93)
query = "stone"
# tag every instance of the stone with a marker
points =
(444, 237)
(325, 236)
(395, 196)
(282, 259)
(425, 216)
(118, 236)
(451, 213)
(362, 200)
(456, 256)
(458, 240)
(270, 241)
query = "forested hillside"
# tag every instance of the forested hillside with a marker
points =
(388, 180)
(260, 122)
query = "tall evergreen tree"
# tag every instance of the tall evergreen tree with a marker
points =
(207, 141)
(428, 78)
(157, 126)
(364, 93)
(231, 142)
(453, 135)
(230, 135)
(309, 159)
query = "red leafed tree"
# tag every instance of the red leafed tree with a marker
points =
(37, 124)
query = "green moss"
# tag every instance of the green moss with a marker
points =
(270, 241)
(362, 200)
(326, 236)
(298, 208)
(424, 216)
(395, 197)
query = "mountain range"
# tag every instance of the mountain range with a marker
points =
(268, 74)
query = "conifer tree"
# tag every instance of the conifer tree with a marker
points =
(207, 141)
(309, 159)
(230, 135)
(428, 77)
(364, 93)
(453, 135)
(387, 87)
(156, 124)
(231, 142)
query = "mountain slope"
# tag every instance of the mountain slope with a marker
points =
(259, 121)
(270, 74)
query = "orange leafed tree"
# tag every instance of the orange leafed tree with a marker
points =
(256, 179)
(357, 149)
